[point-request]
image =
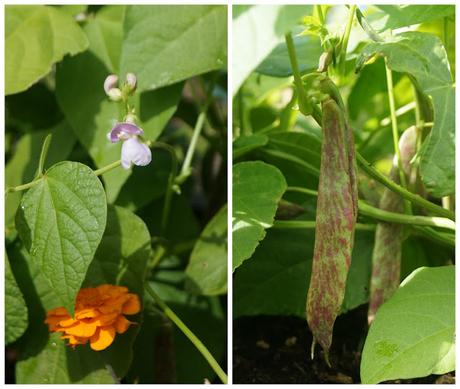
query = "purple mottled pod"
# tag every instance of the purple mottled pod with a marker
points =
(110, 82)
(131, 81)
(336, 213)
(386, 256)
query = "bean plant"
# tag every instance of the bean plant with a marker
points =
(115, 194)
(344, 177)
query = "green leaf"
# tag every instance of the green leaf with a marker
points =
(245, 144)
(22, 167)
(257, 30)
(423, 57)
(44, 358)
(61, 222)
(275, 281)
(257, 189)
(58, 364)
(396, 16)
(121, 259)
(161, 344)
(207, 268)
(166, 44)
(73, 9)
(413, 332)
(36, 37)
(32, 110)
(277, 64)
(16, 320)
(105, 34)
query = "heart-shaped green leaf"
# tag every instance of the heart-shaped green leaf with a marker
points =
(37, 36)
(413, 332)
(61, 221)
(257, 189)
(163, 45)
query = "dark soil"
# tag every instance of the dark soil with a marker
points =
(276, 350)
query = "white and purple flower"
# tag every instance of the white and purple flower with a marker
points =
(133, 150)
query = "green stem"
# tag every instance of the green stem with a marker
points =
(186, 170)
(294, 64)
(107, 168)
(393, 217)
(394, 128)
(346, 37)
(188, 333)
(43, 154)
(170, 187)
(380, 214)
(300, 224)
(436, 236)
(23, 187)
(319, 11)
(412, 197)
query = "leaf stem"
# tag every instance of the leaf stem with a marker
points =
(23, 186)
(188, 333)
(439, 237)
(107, 168)
(393, 217)
(294, 63)
(346, 37)
(186, 170)
(379, 214)
(319, 11)
(412, 197)
(43, 154)
(394, 128)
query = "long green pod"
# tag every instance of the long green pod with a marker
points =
(336, 213)
(386, 256)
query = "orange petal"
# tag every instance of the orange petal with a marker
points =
(74, 340)
(106, 319)
(103, 338)
(122, 324)
(67, 322)
(114, 304)
(132, 306)
(53, 322)
(82, 329)
(87, 313)
(61, 311)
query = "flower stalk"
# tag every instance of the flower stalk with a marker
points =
(188, 333)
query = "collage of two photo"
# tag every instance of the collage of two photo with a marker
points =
(229, 193)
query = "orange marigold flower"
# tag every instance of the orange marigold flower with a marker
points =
(99, 316)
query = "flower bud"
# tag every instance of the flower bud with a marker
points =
(115, 94)
(110, 82)
(131, 82)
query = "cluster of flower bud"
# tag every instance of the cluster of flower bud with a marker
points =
(117, 93)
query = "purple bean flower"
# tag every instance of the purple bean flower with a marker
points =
(133, 150)
(124, 131)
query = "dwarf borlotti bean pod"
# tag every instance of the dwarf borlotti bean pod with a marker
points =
(336, 214)
(386, 256)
